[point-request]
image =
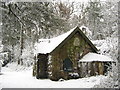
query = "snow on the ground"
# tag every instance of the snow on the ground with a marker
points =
(12, 78)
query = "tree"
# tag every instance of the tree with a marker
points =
(26, 22)
(64, 10)
(94, 17)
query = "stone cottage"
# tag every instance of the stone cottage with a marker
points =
(60, 57)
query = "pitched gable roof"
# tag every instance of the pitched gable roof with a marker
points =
(49, 45)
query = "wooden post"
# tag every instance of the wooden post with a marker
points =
(100, 68)
(92, 69)
(87, 68)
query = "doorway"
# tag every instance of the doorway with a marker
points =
(67, 65)
(42, 65)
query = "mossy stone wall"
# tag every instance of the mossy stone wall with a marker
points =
(71, 49)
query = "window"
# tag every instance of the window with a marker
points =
(67, 65)
(76, 42)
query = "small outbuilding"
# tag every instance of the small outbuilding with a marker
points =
(64, 55)
(94, 64)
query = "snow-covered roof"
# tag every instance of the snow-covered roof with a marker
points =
(90, 57)
(48, 45)
(45, 46)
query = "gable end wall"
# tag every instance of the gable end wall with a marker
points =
(71, 51)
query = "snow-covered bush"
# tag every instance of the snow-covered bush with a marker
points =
(49, 65)
(74, 75)
(1, 62)
(109, 47)
(27, 57)
(107, 82)
(16, 53)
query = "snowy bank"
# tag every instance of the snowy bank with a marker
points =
(24, 79)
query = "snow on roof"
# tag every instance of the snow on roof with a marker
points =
(86, 31)
(48, 45)
(83, 27)
(90, 57)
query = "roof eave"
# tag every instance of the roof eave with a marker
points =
(85, 37)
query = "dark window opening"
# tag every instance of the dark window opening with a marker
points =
(107, 67)
(67, 65)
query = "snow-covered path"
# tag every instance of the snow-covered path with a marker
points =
(24, 79)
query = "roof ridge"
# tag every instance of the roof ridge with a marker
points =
(51, 44)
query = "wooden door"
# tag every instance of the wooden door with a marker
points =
(42, 65)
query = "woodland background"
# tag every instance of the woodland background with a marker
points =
(24, 23)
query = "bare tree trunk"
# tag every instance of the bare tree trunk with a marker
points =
(20, 61)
